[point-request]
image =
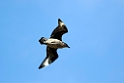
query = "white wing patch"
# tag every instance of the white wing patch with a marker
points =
(46, 63)
(61, 23)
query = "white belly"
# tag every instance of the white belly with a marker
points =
(54, 43)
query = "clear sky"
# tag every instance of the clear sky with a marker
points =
(96, 38)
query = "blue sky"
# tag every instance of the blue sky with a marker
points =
(96, 38)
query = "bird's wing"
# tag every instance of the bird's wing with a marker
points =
(51, 57)
(59, 30)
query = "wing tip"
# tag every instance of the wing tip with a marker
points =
(59, 20)
(40, 67)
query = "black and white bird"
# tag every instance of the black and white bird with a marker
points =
(53, 43)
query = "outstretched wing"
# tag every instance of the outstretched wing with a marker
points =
(59, 30)
(51, 57)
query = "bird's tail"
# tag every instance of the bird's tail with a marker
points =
(42, 40)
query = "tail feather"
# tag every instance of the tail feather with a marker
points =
(42, 40)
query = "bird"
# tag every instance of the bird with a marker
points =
(53, 43)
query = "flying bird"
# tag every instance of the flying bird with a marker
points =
(53, 43)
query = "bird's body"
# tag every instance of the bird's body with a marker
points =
(53, 43)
